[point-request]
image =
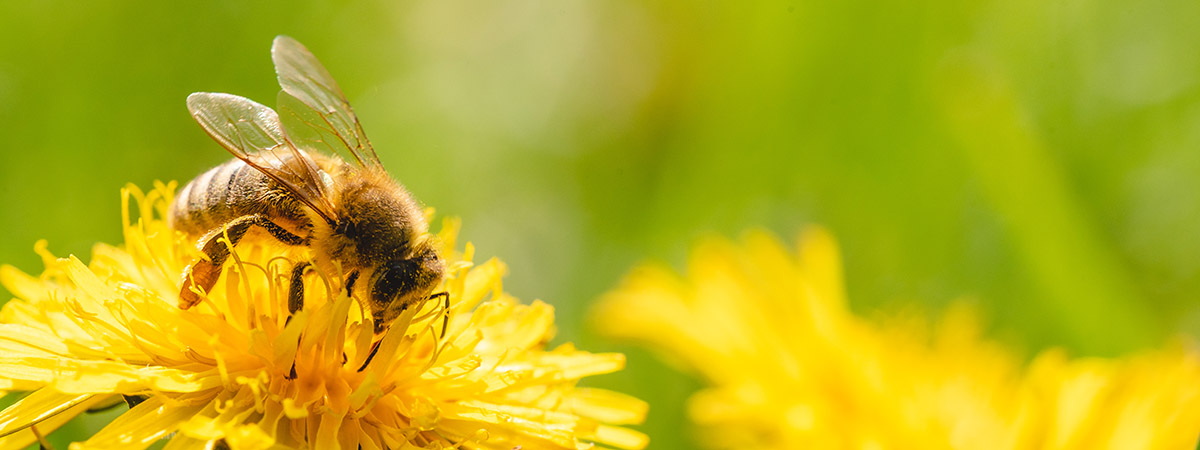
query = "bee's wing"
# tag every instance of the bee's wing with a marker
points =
(252, 132)
(313, 107)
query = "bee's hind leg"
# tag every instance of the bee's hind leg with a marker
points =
(202, 274)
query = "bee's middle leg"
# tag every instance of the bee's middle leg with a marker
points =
(296, 298)
(202, 274)
(296, 288)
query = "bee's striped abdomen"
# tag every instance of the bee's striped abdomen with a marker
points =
(229, 191)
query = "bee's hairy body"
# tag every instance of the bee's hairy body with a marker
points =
(380, 222)
(354, 218)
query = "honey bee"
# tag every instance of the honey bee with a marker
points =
(353, 216)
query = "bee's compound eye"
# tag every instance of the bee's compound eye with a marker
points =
(392, 280)
(401, 284)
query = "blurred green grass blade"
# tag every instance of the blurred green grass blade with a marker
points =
(1089, 294)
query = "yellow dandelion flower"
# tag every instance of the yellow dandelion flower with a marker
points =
(236, 372)
(789, 366)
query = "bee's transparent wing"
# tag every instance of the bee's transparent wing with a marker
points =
(313, 107)
(252, 132)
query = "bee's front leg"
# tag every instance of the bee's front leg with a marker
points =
(200, 276)
(445, 311)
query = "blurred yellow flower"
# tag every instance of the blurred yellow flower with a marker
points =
(789, 366)
(235, 372)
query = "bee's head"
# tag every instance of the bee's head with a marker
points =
(404, 283)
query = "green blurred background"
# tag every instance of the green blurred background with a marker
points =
(1039, 158)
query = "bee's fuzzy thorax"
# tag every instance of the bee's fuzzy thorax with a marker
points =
(377, 221)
